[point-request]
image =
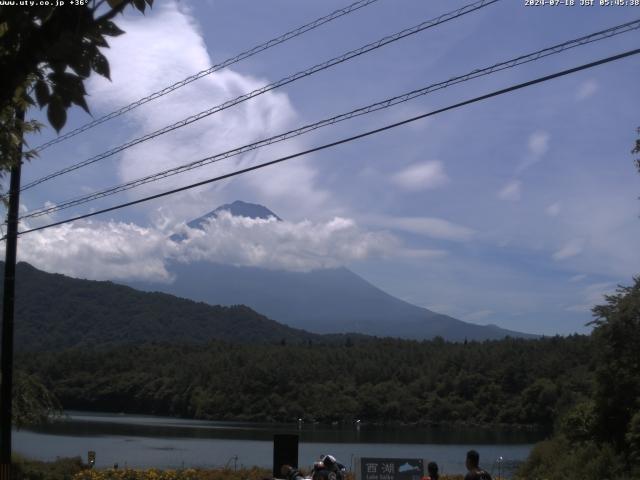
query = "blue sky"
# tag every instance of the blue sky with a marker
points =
(520, 211)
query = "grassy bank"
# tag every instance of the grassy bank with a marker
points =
(74, 469)
(191, 474)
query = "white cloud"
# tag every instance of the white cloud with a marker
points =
(427, 226)
(539, 143)
(41, 219)
(284, 245)
(592, 295)
(595, 292)
(421, 253)
(147, 59)
(97, 250)
(511, 191)
(587, 89)
(579, 308)
(421, 176)
(570, 249)
(537, 147)
(578, 278)
(117, 250)
(553, 210)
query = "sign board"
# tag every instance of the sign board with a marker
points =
(389, 469)
(285, 452)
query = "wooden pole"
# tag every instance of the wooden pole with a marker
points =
(6, 361)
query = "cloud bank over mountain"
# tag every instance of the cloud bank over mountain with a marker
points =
(118, 250)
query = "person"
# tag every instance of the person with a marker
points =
(473, 467)
(328, 468)
(432, 469)
(290, 473)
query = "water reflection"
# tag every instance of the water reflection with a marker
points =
(146, 441)
(80, 424)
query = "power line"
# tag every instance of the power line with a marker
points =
(284, 81)
(344, 140)
(214, 68)
(594, 37)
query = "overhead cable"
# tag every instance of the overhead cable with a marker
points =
(214, 68)
(284, 81)
(594, 37)
(342, 141)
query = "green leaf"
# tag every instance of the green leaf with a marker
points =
(59, 50)
(81, 102)
(56, 113)
(140, 5)
(80, 62)
(111, 29)
(67, 82)
(27, 98)
(70, 88)
(100, 65)
(115, 3)
(58, 67)
(97, 39)
(42, 93)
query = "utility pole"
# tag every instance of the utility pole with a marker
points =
(6, 362)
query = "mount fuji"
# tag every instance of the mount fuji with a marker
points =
(331, 300)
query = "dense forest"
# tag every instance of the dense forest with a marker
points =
(585, 389)
(510, 382)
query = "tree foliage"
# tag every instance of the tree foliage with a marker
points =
(55, 312)
(46, 54)
(617, 335)
(375, 380)
(599, 437)
(32, 403)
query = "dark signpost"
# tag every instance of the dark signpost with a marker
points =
(285, 452)
(91, 457)
(390, 469)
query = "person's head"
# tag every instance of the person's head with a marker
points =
(432, 468)
(473, 459)
(329, 461)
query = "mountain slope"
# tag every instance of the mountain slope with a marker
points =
(321, 301)
(54, 312)
(237, 209)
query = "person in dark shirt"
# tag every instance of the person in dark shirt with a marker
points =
(432, 468)
(473, 467)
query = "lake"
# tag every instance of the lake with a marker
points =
(142, 441)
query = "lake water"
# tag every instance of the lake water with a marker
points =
(142, 441)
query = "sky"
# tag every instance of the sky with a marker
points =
(521, 210)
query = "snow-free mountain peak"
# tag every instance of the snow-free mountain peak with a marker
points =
(236, 209)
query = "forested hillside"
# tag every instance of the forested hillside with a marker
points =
(55, 312)
(512, 382)
(599, 436)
